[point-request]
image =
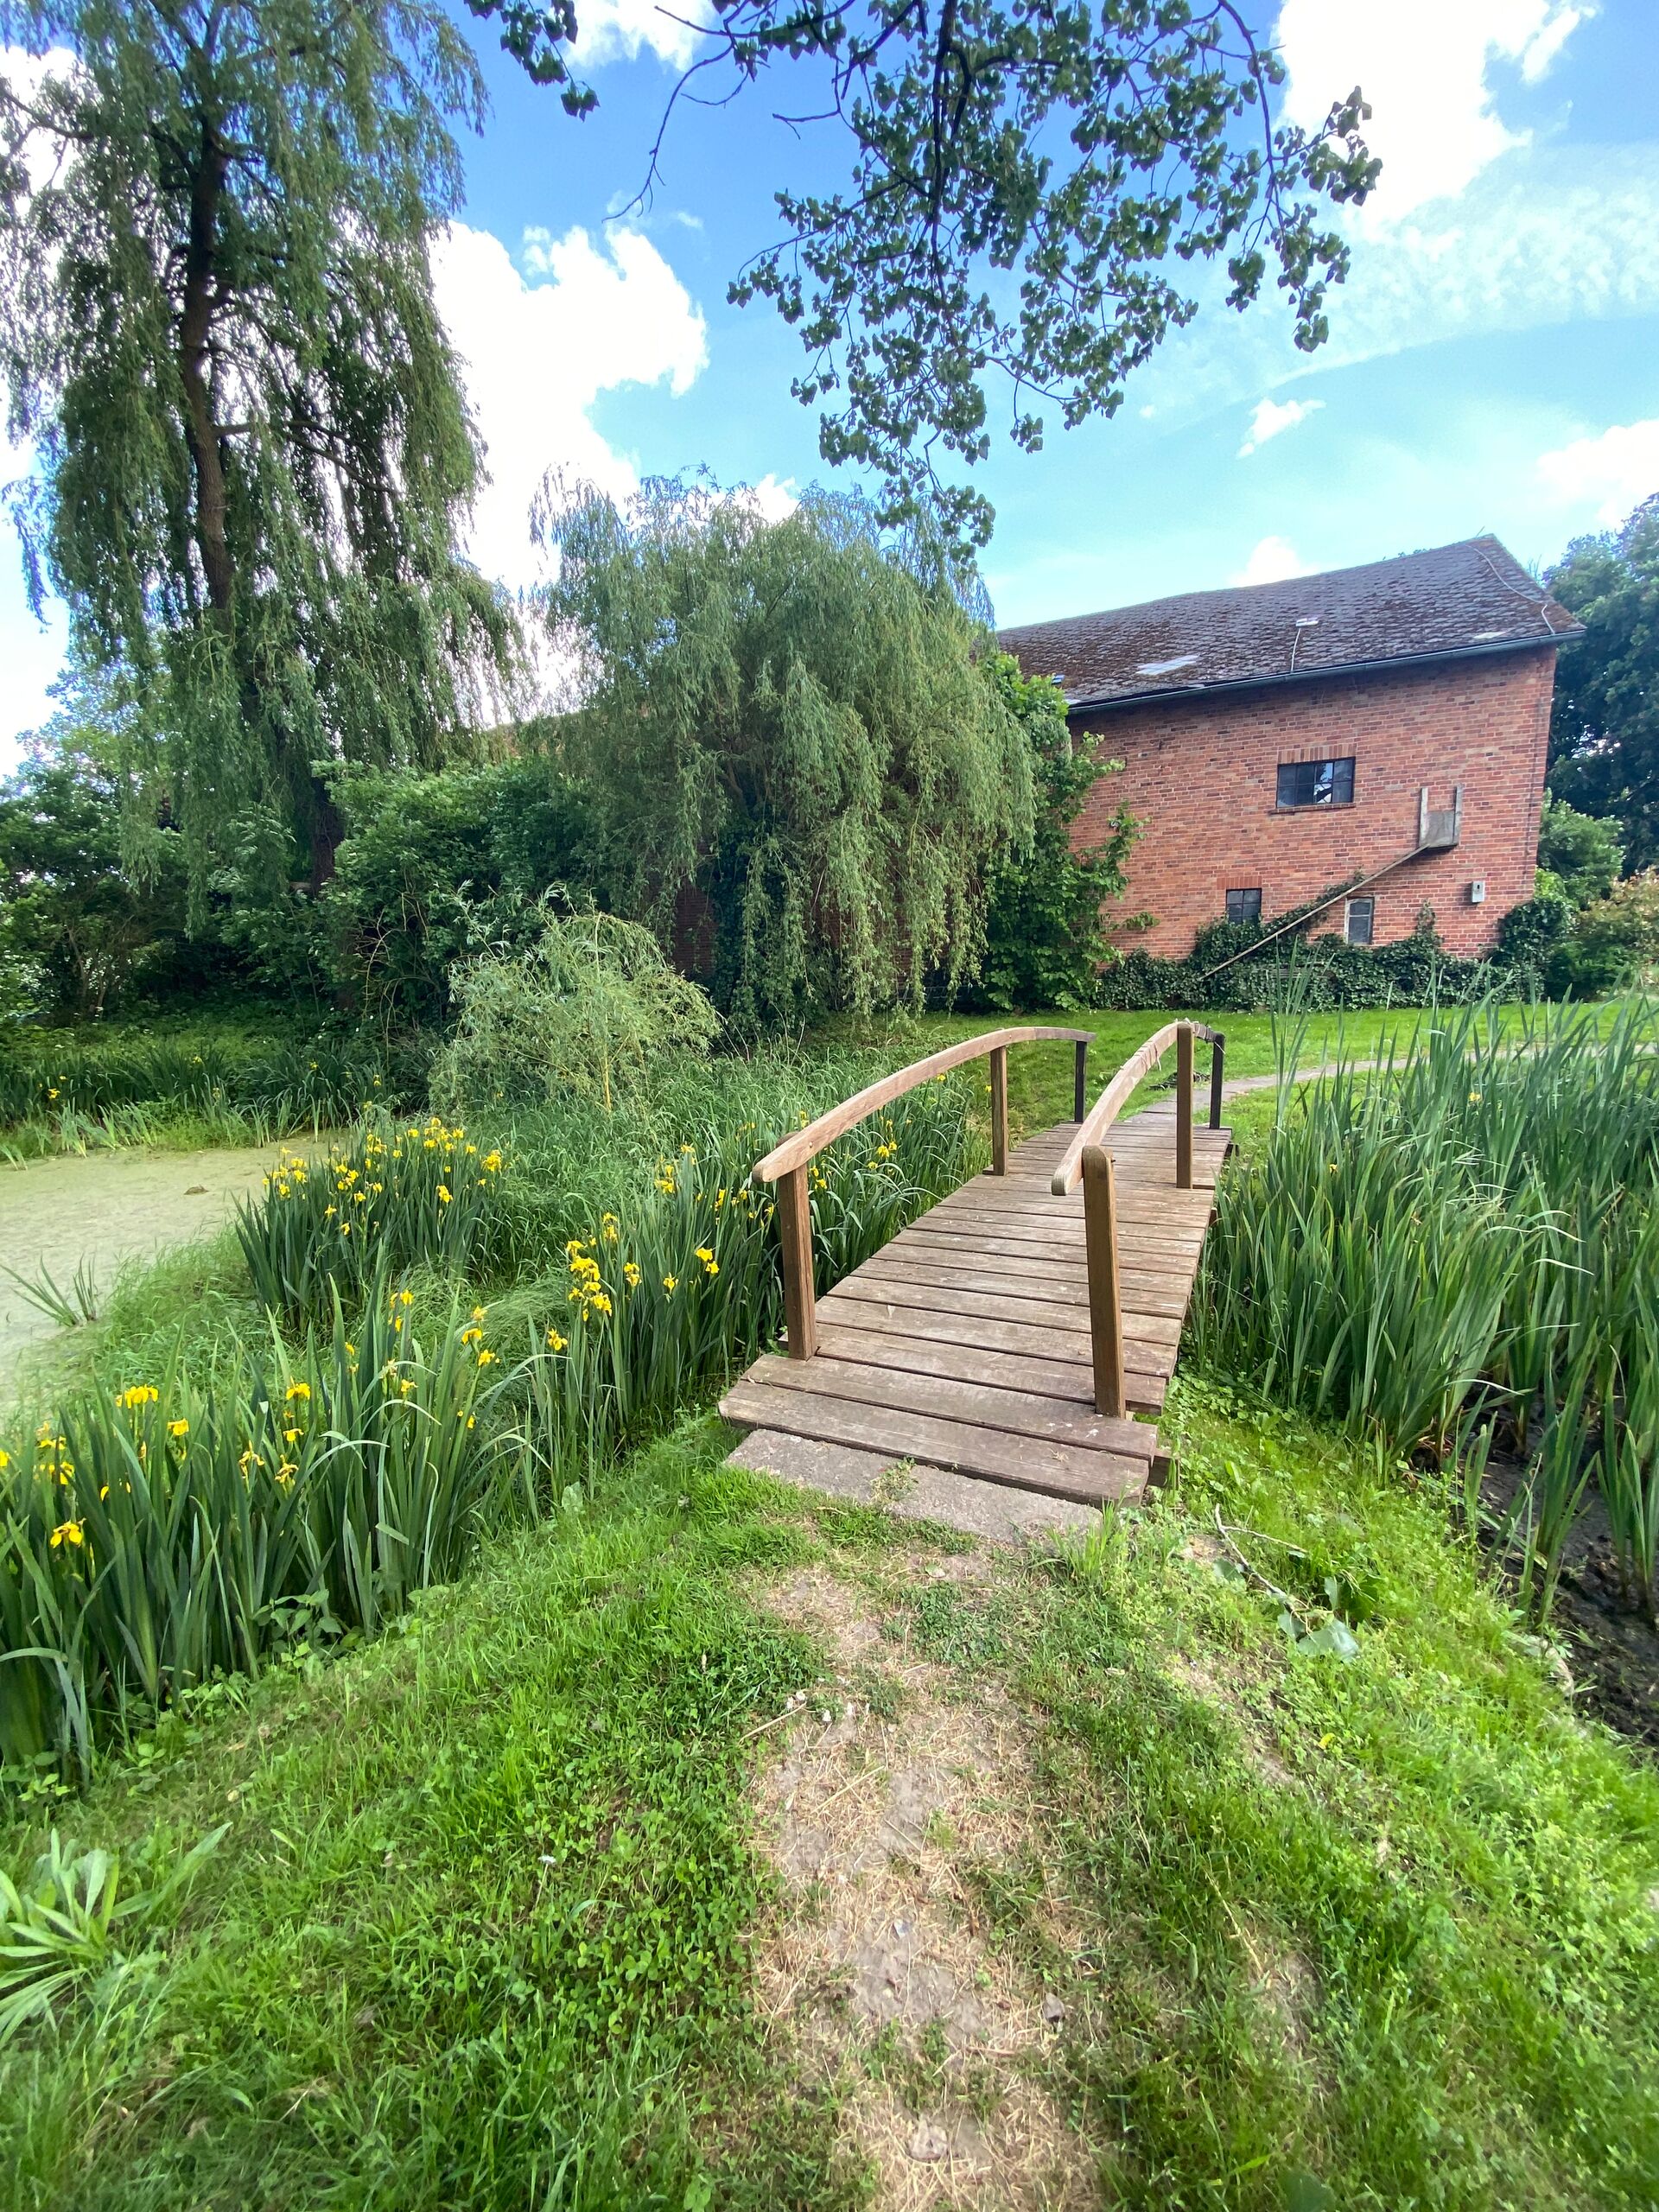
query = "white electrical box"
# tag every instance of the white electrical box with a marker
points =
(1477, 892)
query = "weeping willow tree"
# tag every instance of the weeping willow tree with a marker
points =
(252, 453)
(800, 767)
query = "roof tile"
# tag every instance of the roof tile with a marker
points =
(1453, 599)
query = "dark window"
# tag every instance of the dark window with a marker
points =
(1316, 783)
(1244, 906)
(1362, 913)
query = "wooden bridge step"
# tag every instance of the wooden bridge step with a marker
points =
(1065, 1285)
(1145, 1366)
(1029, 1463)
(948, 1292)
(1020, 1413)
(857, 1335)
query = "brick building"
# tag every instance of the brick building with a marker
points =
(1386, 723)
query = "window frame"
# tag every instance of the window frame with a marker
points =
(1347, 906)
(1242, 892)
(1311, 768)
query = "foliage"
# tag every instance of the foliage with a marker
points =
(309, 1493)
(1044, 939)
(1581, 854)
(68, 1925)
(585, 1008)
(1532, 935)
(83, 936)
(1616, 939)
(1470, 1234)
(391, 1198)
(1300, 975)
(799, 772)
(217, 326)
(1604, 733)
(1021, 181)
(435, 869)
(156, 1535)
(213, 1083)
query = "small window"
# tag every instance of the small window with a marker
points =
(1359, 917)
(1316, 783)
(1244, 906)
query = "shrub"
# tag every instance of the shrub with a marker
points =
(434, 870)
(585, 1009)
(1043, 936)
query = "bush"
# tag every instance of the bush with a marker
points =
(436, 869)
(1044, 938)
(585, 1008)
(1581, 853)
(1321, 975)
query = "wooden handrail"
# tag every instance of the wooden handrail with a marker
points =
(806, 1144)
(786, 1164)
(1118, 1091)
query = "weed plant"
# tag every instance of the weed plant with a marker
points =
(1467, 1242)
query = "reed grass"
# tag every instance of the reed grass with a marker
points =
(1467, 1240)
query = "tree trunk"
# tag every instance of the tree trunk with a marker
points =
(195, 327)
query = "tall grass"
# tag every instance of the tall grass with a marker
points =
(160, 1533)
(156, 1535)
(71, 1095)
(1468, 1236)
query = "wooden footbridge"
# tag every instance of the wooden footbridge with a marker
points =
(1012, 1332)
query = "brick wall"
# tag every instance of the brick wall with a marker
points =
(1201, 775)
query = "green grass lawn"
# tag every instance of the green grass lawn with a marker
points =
(493, 1922)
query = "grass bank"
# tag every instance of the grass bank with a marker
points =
(510, 1910)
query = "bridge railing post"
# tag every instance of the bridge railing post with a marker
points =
(1105, 1303)
(795, 1229)
(1000, 1110)
(1218, 1054)
(1080, 1083)
(1183, 1107)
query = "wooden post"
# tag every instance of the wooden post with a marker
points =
(1105, 1307)
(1000, 1110)
(1217, 1053)
(1183, 1106)
(1080, 1083)
(795, 1229)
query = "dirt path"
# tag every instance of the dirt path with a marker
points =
(100, 1209)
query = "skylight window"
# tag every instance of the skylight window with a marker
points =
(1165, 667)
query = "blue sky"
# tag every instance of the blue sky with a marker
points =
(1494, 360)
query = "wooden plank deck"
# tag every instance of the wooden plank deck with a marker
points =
(964, 1343)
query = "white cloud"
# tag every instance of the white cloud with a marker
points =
(1617, 470)
(1271, 416)
(775, 498)
(1271, 561)
(617, 29)
(536, 356)
(1564, 236)
(1424, 67)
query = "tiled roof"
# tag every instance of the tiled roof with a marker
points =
(1454, 599)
